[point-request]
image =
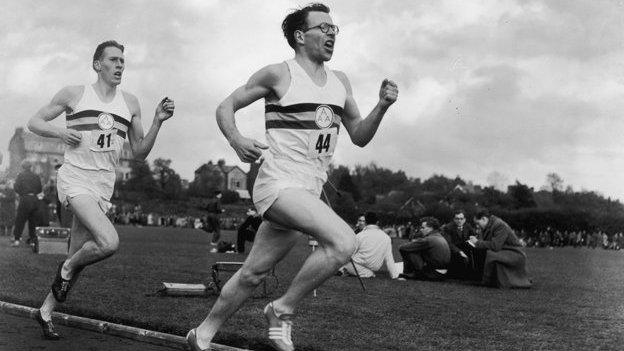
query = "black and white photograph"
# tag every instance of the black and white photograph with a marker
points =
(298, 175)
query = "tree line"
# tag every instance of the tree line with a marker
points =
(399, 198)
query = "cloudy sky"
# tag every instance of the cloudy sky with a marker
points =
(514, 88)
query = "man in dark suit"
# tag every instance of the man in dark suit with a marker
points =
(214, 226)
(426, 258)
(457, 233)
(27, 186)
(247, 230)
(505, 260)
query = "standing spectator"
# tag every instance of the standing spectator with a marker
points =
(214, 210)
(457, 234)
(374, 250)
(605, 240)
(596, 239)
(572, 238)
(7, 208)
(505, 259)
(579, 239)
(247, 230)
(27, 186)
(426, 257)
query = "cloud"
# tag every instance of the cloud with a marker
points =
(520, 87)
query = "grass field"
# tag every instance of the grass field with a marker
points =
(577, 302)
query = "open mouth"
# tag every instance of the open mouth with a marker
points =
(329, 45)
(117, 74)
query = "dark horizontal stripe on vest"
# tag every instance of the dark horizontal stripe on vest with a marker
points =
(95, 113)
(296, 125)
(87, 127)
(300, 108)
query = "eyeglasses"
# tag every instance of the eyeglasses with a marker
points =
(325, 27)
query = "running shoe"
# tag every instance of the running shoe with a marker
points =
(47, 327)
(280, 329)
(191, 340)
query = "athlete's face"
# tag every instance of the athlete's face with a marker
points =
(111, 66)
(317, 44)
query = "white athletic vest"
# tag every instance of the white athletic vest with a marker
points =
(103, 126)
(303, 125)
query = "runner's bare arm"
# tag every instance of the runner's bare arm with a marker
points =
(61, 102)
(261, 84)
(141, 144)
(362, 130)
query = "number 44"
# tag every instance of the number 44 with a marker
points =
(323, 142)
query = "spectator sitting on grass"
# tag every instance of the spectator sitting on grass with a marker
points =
(374, 251)
(360, 224)
(426, 258)
(391, 231)
(457, 234)
(505, 259)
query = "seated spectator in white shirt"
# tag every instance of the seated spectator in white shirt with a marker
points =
(374, 251)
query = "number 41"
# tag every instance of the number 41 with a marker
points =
(100, 140)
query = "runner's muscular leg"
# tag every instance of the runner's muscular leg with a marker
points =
(103, 240)
(300, 210)
(270, 246)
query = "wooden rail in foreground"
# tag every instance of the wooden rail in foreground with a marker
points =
(144, 335)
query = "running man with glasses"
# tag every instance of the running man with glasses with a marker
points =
(306, 103)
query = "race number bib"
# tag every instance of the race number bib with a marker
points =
(322, 142)
(103, 139)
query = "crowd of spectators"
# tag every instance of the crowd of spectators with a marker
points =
(550, 238)
(544, 238)
(490, 253)
(134, 215)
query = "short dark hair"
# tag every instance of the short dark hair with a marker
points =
(459, 211)
(296, 20)
(26, 165)
(482, 213)
(432, 222)
(371, 217)
(99, 51)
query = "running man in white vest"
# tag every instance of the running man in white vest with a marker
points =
(99, 119)
(306, 103)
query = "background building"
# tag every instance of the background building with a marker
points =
(46, 153)
(222, 177)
